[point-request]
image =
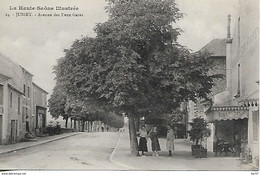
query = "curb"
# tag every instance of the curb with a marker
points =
(118, 163)
(37, 144)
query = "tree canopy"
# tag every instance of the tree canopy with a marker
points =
(135, 63)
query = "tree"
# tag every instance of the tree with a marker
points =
(57, 104)
(112, 119)
(135, 63)
(199, 130)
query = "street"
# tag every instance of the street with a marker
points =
(86, 151)
(94, 151)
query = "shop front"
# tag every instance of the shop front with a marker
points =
(230, 135)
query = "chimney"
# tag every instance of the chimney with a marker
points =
(228, 26)
(228, 57)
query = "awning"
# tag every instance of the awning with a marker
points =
(250, 100)
(227, 113)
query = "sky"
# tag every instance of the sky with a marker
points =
(37, 42)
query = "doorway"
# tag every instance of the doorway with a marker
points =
(13, 131)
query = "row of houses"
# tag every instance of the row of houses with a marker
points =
(23, 103)
(234, 114)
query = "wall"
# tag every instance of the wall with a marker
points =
(17, 77)
(39, 107)
(245, 52)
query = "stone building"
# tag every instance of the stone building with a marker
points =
(17, 116)
(235, 111)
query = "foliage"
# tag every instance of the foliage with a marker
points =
(57, 103)
(52, 128)
(199, 130)
(177, 116)
(114, 120)
(134, 64)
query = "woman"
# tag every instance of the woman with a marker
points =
(170, 140)
(143, 140)
(155, 141)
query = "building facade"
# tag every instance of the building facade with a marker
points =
(17, 116)
(235, 111)
(39, 108)
(217, 48)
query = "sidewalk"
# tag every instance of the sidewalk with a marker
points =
(4, 149)
(181, 160)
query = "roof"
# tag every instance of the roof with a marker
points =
(217, 47)
(34, 84)
(5, 76)
(12, 61)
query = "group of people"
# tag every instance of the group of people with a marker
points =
(154, 135)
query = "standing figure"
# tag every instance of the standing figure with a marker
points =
(155, 141)
(170, 140)
(102, 127)
(143, 140)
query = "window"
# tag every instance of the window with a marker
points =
(28, 91)
(1, 94)
(24, 91)
(11, 100)
(238, 79)
(19, 105)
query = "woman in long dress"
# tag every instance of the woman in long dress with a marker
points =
(155, 141)
(170, 140)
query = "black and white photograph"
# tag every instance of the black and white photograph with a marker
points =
(129, 85)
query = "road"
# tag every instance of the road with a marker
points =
(92, 151)
(86, 151)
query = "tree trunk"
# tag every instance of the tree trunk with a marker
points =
(137, 124)
(91, 124)
(79, 125)
(66, 123)
(186, 116)
(197, 141)
(88, 125)
(70, 122)
(83, 125)
(133, 139)
(75, 124)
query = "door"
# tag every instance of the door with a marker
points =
(13, 131)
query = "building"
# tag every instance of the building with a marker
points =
(217, 48)
(17, 116)
(39, 108)
(235, 111)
